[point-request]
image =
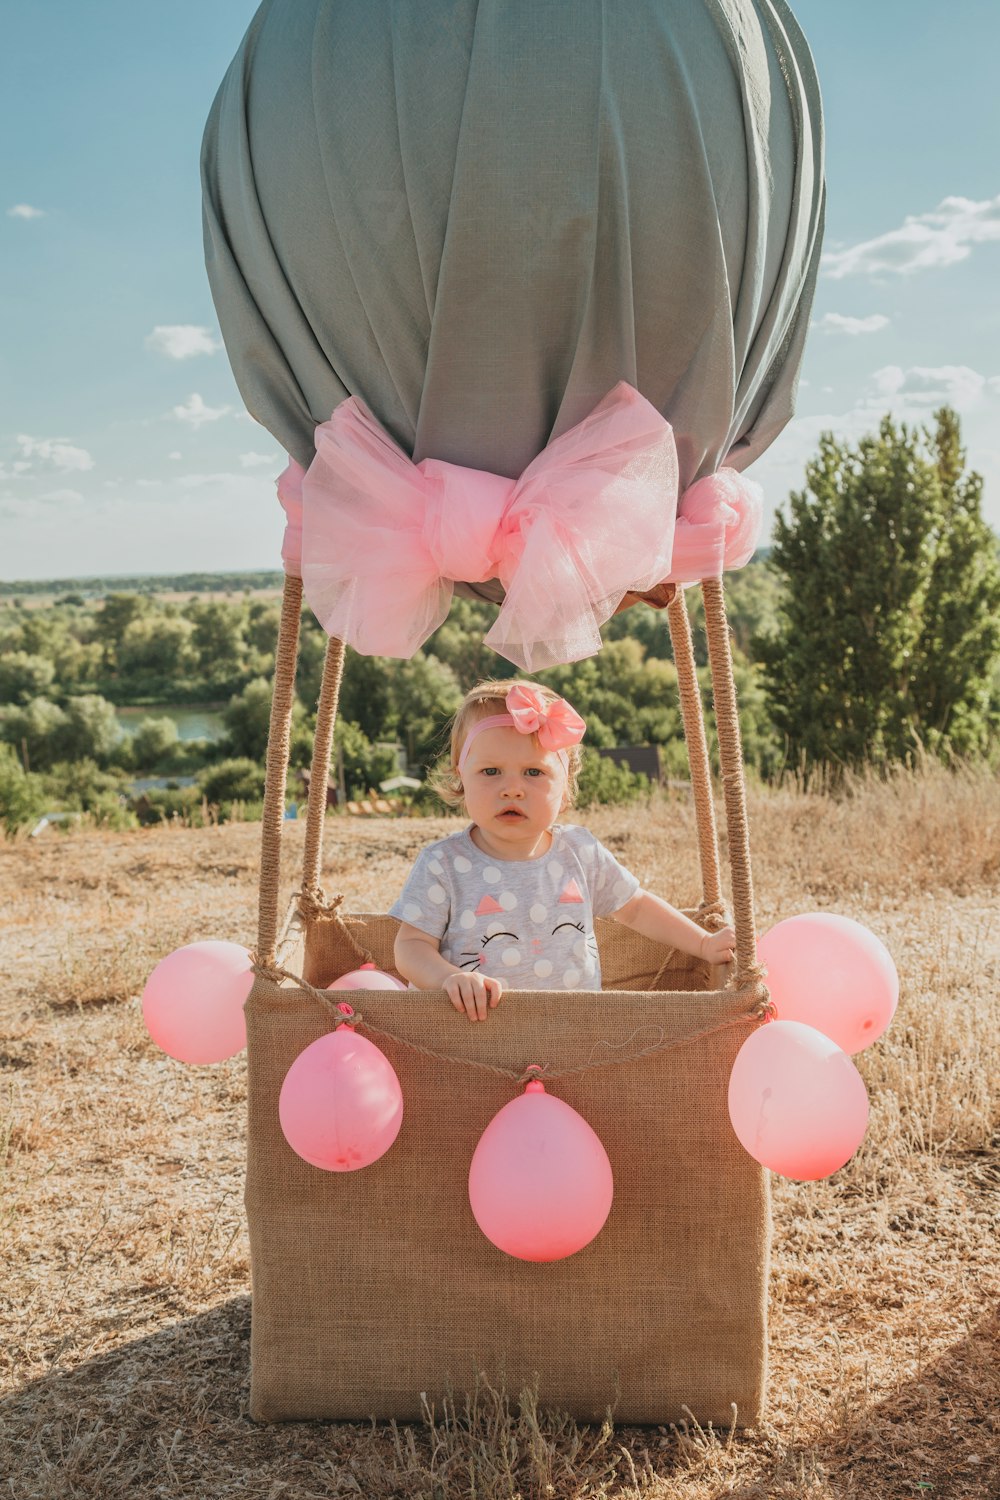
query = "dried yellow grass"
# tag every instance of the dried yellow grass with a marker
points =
(124, 1360)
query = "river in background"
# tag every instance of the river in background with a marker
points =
(195, 721)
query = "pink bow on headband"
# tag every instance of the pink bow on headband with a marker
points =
(591, 518)
(557, 724)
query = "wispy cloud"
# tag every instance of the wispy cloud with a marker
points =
(62, 497)
(917, 390)
(51, 453)
(182, 340)
(25, 211)
(838, 323)
(259, 460)
(942, 237)
(196, 413)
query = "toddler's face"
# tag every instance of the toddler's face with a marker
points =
(513, 790)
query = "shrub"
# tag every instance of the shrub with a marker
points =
(153, 741)
(238, 779)
(602, 781)
(22, 798)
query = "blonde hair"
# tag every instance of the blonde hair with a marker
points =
(482, 702)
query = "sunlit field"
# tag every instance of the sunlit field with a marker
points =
(125, 1361)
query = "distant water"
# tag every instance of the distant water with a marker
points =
(194, 721)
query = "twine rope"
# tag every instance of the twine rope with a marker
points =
(760, 1010)
(733, 783)
(319, 775)
(697, 748)
(279, 741)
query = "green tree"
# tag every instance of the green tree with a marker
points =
(35, 732)
(90, 729)
(218, 641)
(423, 694)
(24, 676)
(155, 650)
(153, 740)
(889, 629)
(22, 797)
(117, 614)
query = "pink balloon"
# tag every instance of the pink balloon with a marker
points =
(340, 1105)
(540, 1183)
(193, 1002)
(797, 1102)
(831, 973)
(366, 978)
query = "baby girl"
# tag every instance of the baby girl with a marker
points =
(509, 902)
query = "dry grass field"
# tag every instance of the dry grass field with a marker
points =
(124, 1358)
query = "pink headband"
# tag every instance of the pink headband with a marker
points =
(556, 723)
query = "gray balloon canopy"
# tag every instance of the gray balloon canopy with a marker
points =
(478, 216)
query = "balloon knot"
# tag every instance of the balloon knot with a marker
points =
(346, 1015)
(534, 1073)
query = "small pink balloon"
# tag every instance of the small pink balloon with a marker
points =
(797, 1102)
(540, 1183)
(366, 978)
(830, 972)
(193, 1002)
(341, 1105)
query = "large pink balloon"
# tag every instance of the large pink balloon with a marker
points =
(540, 1184)
(797, 1102)
(831, 973)
(193, 1002)
(366, 978)
(340, 1105)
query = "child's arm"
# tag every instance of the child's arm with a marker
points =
(656, 919)
(418, 958)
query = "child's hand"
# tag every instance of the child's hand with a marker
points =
(473, 994)
(718, 947)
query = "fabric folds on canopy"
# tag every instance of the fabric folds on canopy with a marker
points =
(479, 216)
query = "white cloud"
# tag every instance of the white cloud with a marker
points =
(195, 412)
(838, 323)
(916, 391)
(942, 237)
(175, 455)
(258, 460)
(25, 211)
(182, 340)
(62, 497)
(56, 453)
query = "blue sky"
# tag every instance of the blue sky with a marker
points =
(123, 445)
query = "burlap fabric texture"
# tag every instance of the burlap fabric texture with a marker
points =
(374, 1288)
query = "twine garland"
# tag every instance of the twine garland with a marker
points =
(761, 1010)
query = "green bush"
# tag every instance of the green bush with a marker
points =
(153, 742)
(22, 797)
(602, 781)
(239, 779)
(24, 676)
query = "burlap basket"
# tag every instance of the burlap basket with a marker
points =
(375, 1288)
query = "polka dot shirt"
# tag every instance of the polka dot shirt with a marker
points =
(529, 922)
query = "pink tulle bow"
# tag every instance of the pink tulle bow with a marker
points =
(557, 723)
(718, 526)
(591, 518)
